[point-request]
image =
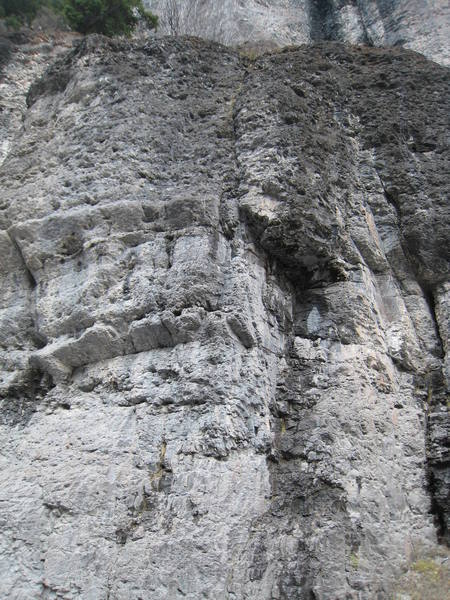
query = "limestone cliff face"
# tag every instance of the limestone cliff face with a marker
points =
(224, 324)
(24, 56)
(420, 25)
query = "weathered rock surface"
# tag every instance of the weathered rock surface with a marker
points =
(421, 25)
(24, 56)
(224, 324)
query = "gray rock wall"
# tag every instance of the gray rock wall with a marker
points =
(421, 25)
(224, 324)
(24, 56)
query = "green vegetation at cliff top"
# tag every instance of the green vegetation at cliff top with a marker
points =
(110, 17)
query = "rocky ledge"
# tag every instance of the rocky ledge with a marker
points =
(224, 324)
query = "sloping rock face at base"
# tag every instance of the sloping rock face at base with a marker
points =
(224, 324)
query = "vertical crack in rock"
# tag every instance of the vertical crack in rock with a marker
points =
(438, 468)
(430, 300)
(30, 276)
(22, 386)
(436, 414)
(438, 423)
(337, 20)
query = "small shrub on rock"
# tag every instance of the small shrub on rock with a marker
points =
(109, 17)
(18, 12)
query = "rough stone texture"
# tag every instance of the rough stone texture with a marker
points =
(224, 314)
(24, 56)
(421, 25)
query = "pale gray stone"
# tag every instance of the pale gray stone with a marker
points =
(224, 311)
(421, 25)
